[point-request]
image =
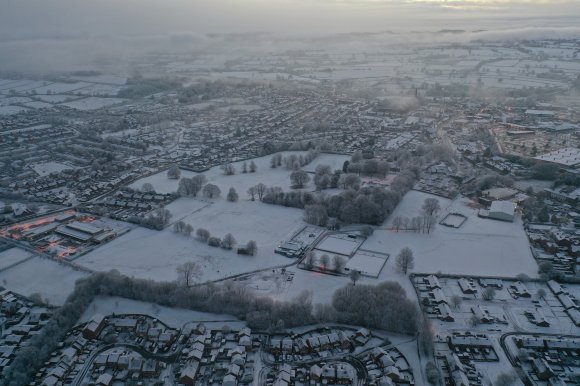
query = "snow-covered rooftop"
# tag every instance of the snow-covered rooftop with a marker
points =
(566, 157)
(506, 207)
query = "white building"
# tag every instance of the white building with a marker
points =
(502, 210)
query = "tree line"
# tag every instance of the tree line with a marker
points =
(367, 205)
(384, 306)
(203, 235)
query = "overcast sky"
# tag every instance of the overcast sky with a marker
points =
(48, 18)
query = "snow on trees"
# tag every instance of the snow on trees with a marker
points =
(214, 242)
(261, 190)
(158, 219)
(253, 167)
(356, 156)
(455, 301)
(299, 178)
(405, 260)
(202, 234)
(147, 188)
(178, 226)
(324, 261)
(252, 247)
(322, 177)
(232, 195)
(309, 260)
(228, 241)
(252, 191)
(431, 207)
(338, 263)
(488, 293)
(211, 191)
(228, 169)
(354, 276)
(349, 181)
(173, 172)
(191, 186)
(316, 214)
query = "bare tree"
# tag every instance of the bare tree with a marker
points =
(354, 276)
(252, 247)
(178, 226)
(191, 186)
(337, 263)
(405, 260)
(261, 190)
(253, 167)
(202, 234)
(187, 273)
(405, 223)
(232, 195)
(228, 169)
(431, 207)
(245, 167)
(488, 293)
(228, 241)
(397, 221)
(455, 301)
(187, 230)
(428, 223)
(252, 191)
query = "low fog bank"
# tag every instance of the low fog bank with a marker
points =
(118, 53)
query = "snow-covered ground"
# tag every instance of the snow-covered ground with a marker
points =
(12, 256)
(11, 110)
(335, 161)
(156, 254)
(173, 317)
(480, 247)
(279, 176)
(92, 103)
(44, 169)
(52, 280)
(53, 98)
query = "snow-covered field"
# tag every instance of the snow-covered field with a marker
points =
(479, 247)
(335, 161)
(11, 110)
(46, 168)
(161, 183)
(173, 317)
(53, 98)
(52, 280)
(92, 103)
(12, 256)
(156, 254)
(279, 176)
